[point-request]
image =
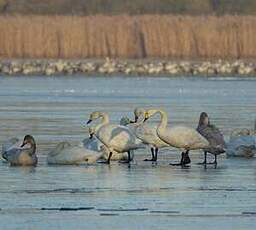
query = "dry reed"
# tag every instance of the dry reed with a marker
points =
(124, 36)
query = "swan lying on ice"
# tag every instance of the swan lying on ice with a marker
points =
(66, 154)
(241, 144)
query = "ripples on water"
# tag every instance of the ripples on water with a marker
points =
(54, 109)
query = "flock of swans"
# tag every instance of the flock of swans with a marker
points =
(108, 142)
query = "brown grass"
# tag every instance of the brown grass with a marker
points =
(127, 36)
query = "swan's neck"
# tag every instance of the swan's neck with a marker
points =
(32, 149)
(163, 122)
(104, 121)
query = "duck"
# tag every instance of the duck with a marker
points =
(146, 133)
(179, 137)
(66, 154)
(242, 143)
(116, 138)
(25, 155)
(213, 135)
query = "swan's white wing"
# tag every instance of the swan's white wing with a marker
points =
(184, 137)
(12, 154)
(73, 155)
(9, 144)
(118, 138)
(148, 135)
(92, 144)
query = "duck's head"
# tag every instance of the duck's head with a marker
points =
(28, 139)
(204, 119)
(138, 112)
(94, 116)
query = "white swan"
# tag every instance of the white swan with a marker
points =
(179, 136)
(115, 156)
(66, 154)
(116, 138)
(241, 144)
(145, 132)
(25, 155)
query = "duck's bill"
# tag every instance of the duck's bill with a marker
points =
(89, 121)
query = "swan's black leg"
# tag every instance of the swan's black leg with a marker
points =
(205, 159)
(153, 156)
(156, 152)
(109, 157)
(181, 160)
(185, 160)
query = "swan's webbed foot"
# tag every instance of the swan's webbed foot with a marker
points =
(124, 161)
(152, 159)
(185, 160)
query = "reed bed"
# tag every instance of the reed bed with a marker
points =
(122, 36)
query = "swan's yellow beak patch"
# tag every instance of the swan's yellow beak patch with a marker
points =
(146, 115)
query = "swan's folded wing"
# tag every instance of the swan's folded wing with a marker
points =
(212, 134)
(12, 154)
(9, 144)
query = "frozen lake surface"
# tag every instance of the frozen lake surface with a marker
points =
(145, 196)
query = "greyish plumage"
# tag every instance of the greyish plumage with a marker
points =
(213, 135)
(23, 155)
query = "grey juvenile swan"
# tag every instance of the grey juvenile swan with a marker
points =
(213, 135)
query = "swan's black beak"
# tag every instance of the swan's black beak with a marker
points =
(91, 136)
(23, 144)
(89, 121)
(132, 122)
(145, 119)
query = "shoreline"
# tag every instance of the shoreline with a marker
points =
(127, 67)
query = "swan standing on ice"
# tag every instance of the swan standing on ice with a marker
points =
(178, 137)
(25, 155)
(213, 135)
(122, 157)
(147, 134)
(115, 137)
(241, 143)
